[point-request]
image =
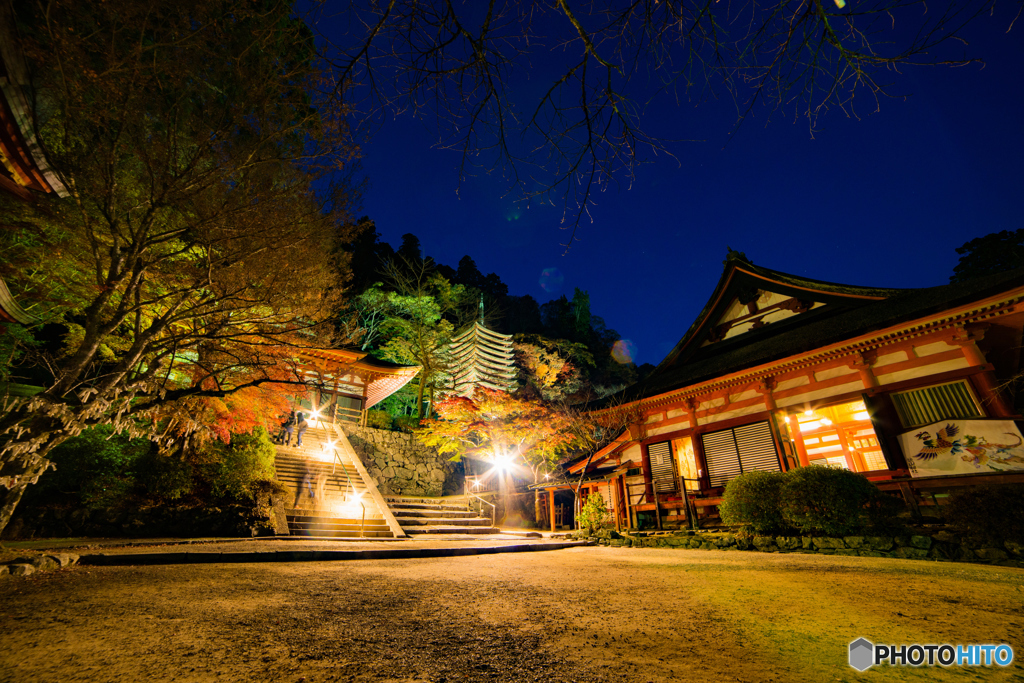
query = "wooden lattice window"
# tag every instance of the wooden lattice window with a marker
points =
(662, 469)
(932, 404)
(731, 452)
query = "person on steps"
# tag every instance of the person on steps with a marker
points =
(301, 428)
(285, 437)
(306, 486)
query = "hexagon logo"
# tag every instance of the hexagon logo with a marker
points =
(861, 654)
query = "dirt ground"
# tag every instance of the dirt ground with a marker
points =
(583, 614)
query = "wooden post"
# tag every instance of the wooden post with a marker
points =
(613, 491)
(551, 508)
(629, 504)
(798, 439)
(657, 509)
(851, 459)
(908, 495)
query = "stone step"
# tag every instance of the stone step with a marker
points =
(371, 525)
(318, 516)
(340, 534)
(415, 531)
(406, 505)
(303, 523)
(421, 512)
(302, 461)
(329, 487)
(441, 521)
(337, 478)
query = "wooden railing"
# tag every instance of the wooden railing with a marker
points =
(933, 492)
(478, 483)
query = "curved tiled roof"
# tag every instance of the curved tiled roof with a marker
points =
(382, 377)
(857, 311)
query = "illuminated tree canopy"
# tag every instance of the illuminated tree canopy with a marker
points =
(199, 239)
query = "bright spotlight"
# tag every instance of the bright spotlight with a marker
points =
(502, 463)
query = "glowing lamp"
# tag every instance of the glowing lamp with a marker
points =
(503, 463)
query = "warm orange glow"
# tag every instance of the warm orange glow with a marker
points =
(840, 436)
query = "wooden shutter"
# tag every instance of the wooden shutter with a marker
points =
(757, 447)
(731, 452)
(662, 470)
(931, 404)
(722, 456)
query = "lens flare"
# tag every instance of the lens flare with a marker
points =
(623, 351)
(551, 280)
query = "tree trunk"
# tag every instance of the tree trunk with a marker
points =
(10, 497)
(419, 399)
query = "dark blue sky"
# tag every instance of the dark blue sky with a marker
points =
(881, 201)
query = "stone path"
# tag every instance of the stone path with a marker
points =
(122, 552)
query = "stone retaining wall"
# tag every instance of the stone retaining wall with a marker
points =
(401, 465)
(941, 545)
(227, 520)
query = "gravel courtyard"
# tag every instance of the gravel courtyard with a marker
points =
(583, 614)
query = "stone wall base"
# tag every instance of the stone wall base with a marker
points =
(402, 466)
(941, 546)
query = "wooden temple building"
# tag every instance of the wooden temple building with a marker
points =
(481, 357)
(345, 383)
(781, 371)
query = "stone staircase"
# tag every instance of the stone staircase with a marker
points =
(437, 516)
(329, 493)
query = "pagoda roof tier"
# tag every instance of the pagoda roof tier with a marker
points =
(482, 357)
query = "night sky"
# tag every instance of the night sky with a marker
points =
(881, 201)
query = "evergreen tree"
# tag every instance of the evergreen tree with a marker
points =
(993, 253)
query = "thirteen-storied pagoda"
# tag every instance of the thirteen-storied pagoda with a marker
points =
(482, 358)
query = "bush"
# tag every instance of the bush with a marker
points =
(162, 477)
(755, 499)
(237, 470)
(826, 500)
(593, 514)
(97, 467)
(407, 424)
(378, 419)
(988, 514)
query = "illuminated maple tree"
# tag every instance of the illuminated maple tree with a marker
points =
(505, 430)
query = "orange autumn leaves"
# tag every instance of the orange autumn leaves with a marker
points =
(496, 424)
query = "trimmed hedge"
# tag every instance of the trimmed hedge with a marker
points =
(814, 500)
(755, 499)
(826, 500)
